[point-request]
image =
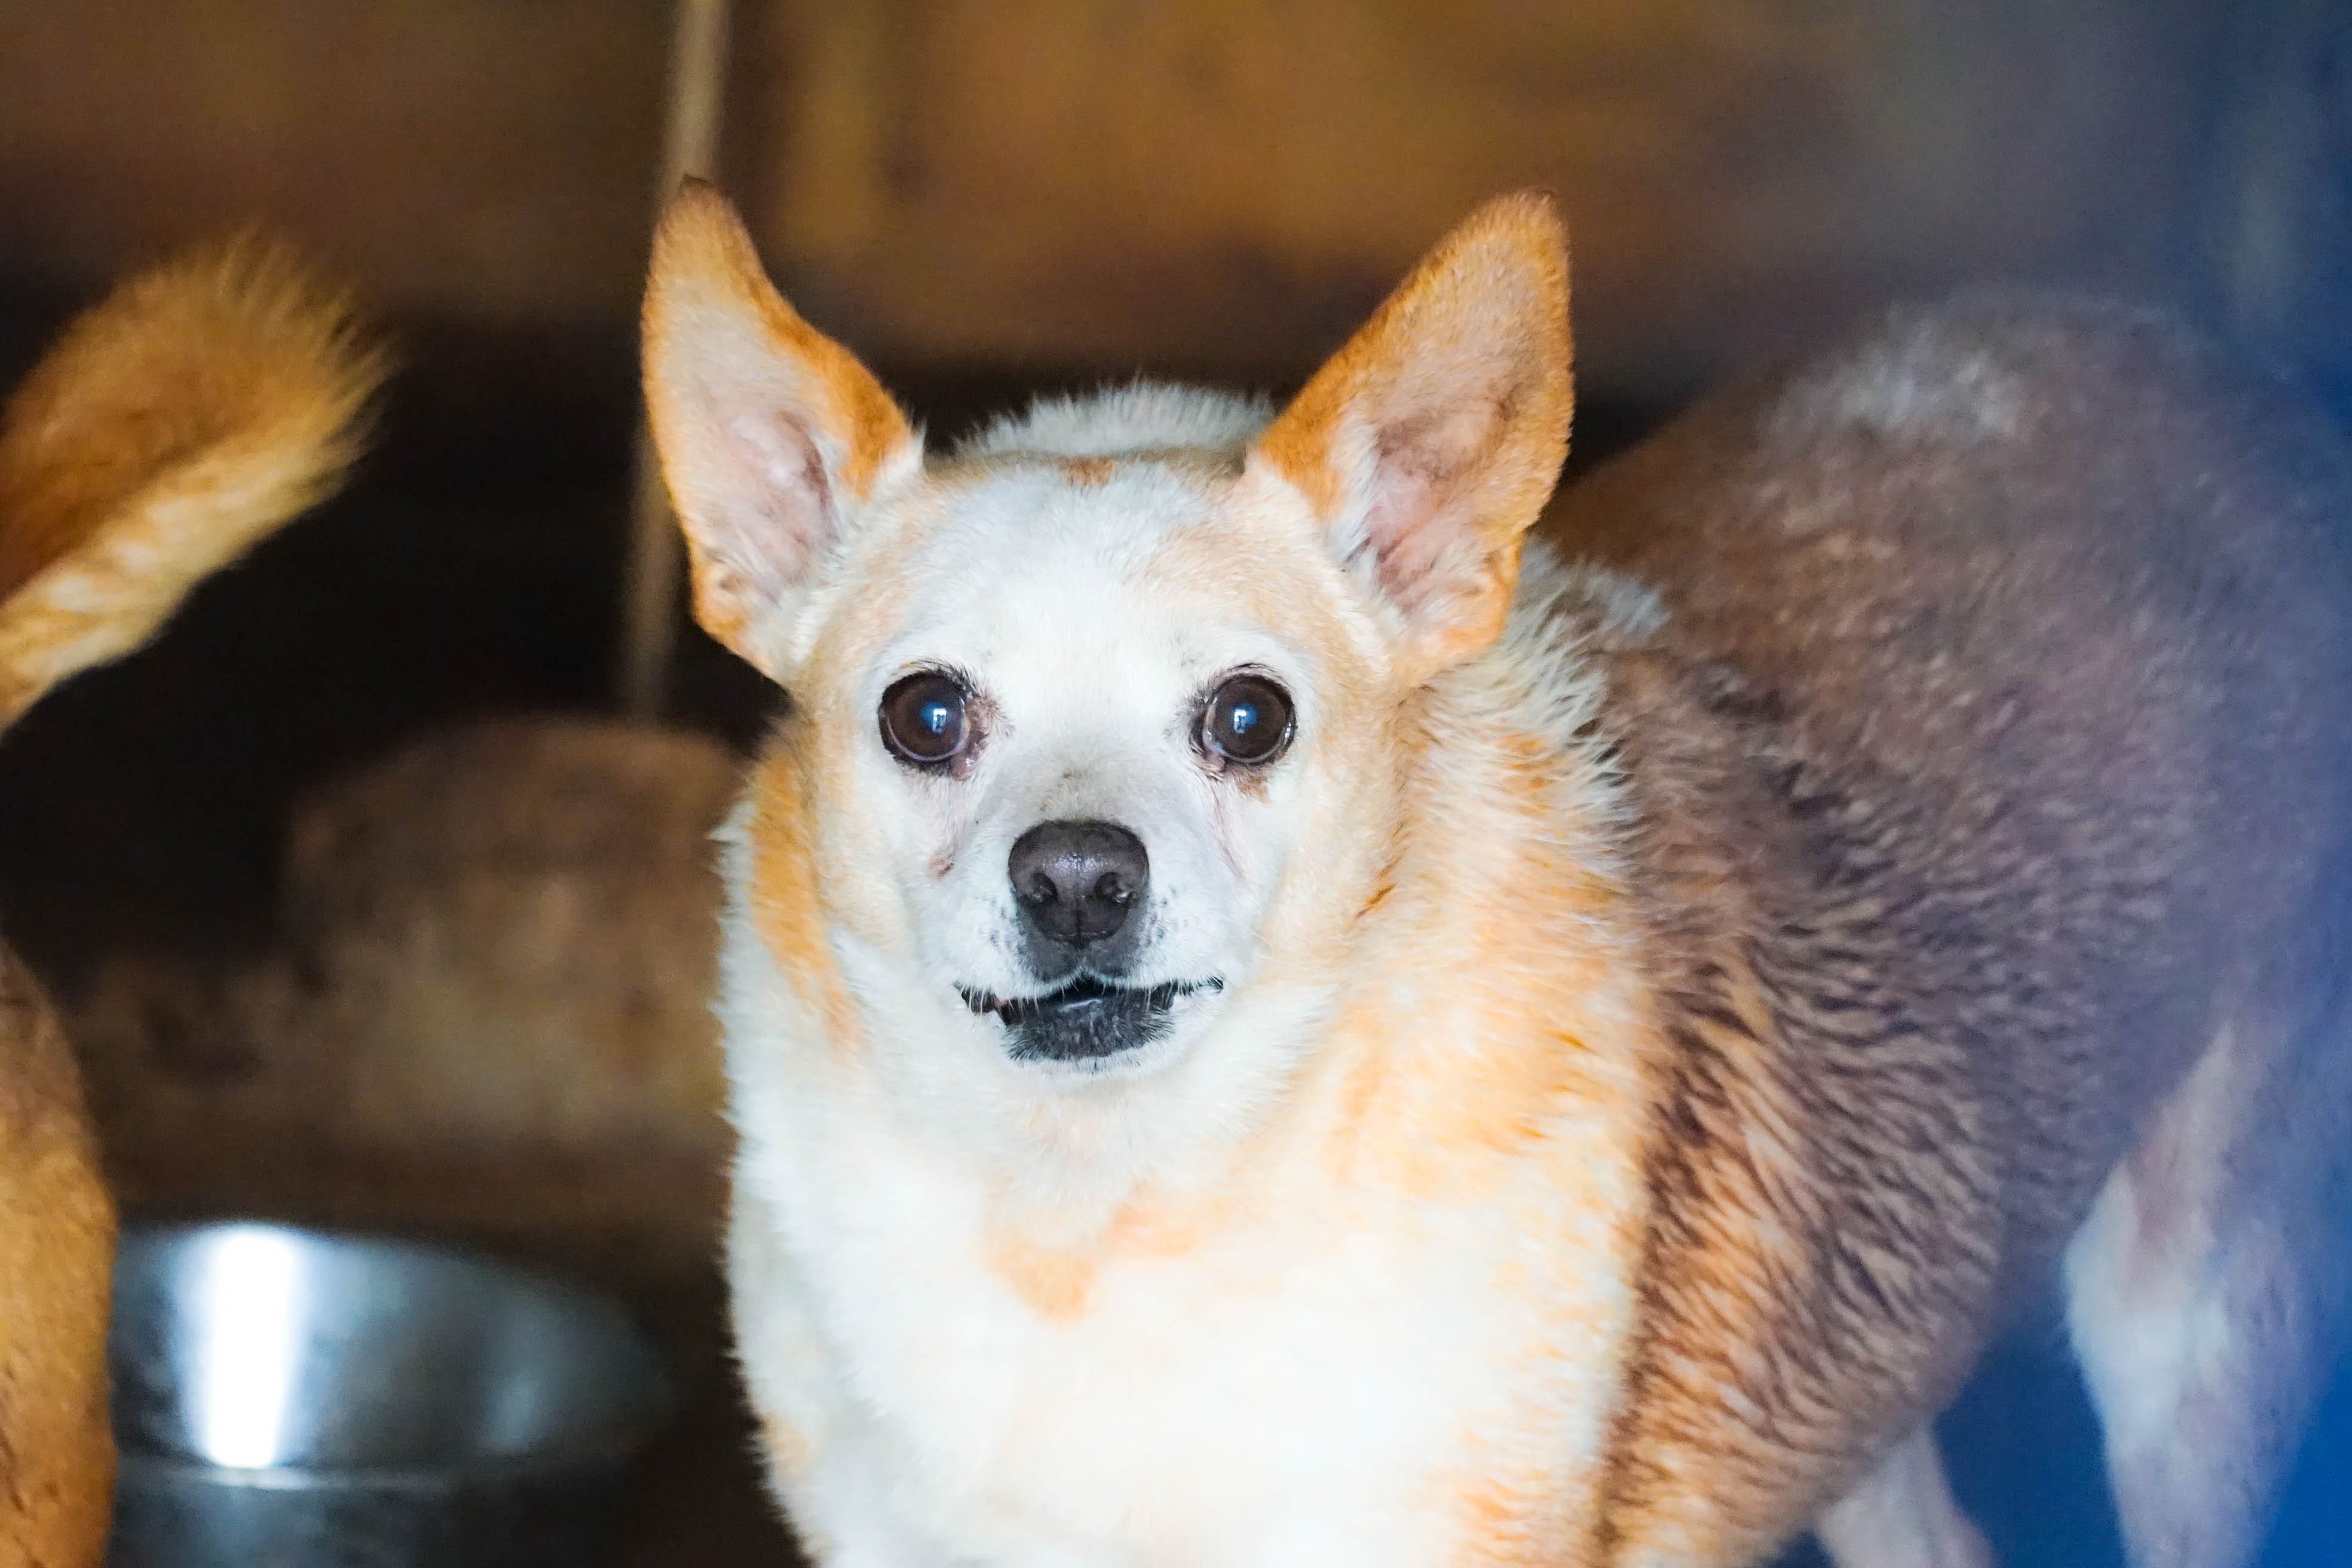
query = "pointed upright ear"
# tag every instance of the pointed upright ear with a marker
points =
(1429, 444)
(771, 434)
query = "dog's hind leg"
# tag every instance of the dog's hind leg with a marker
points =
(57, 1252)
(2204, 1288)
(1903, 1516)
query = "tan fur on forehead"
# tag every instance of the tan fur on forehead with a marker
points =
(1272, 578)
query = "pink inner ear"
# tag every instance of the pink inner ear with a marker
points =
(786, 502)
(1423, 469)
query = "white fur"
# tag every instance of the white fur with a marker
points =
(1147, 417)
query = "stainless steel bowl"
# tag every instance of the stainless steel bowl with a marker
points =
(288, 1399)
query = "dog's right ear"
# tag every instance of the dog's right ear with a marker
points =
(771, 435)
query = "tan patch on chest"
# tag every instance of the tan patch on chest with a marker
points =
(1053, 1283)
(1057, 1282)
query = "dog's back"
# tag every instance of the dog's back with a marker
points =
(1990, 767)
(172, 428)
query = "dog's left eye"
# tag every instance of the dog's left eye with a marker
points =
(1247, 720)
(923, 719)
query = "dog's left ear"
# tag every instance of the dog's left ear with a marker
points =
(1430, 443)
(771, 436)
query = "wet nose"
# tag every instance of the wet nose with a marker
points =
(1075, 881)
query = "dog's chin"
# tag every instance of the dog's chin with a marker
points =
(1089, 1024)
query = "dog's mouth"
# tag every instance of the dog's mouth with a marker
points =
(1087, 1019)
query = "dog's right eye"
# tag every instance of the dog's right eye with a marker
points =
(923, 719)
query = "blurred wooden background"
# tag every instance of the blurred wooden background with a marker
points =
(1218, 187)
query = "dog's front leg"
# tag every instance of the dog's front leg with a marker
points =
(1903, 1516)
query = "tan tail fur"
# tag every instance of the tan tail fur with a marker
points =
(172, 428)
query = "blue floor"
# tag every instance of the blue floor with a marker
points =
(2024, 1450)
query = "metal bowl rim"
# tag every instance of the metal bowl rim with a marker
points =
(388, 1240)
(492, 1470)
(486, 1470)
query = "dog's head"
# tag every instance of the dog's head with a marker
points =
(1100, 723)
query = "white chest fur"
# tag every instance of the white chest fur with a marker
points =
(1335, 1374)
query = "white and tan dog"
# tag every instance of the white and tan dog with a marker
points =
(1270, 1026)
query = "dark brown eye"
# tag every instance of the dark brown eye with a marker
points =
(923, 720)
(1247, 720)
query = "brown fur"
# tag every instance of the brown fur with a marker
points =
(1991, 765)
(170, 428)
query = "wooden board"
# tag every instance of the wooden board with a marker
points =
(1116, 185)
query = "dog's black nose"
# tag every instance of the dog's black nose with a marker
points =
(1075, 881)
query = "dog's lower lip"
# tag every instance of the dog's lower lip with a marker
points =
(1084, 992)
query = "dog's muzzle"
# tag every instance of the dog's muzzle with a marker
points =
(1086, 1020)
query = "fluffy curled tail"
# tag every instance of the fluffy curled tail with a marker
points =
(173, 426)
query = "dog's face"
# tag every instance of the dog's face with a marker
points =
(1087, 763)
(1099, 723)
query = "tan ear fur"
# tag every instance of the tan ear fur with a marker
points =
(1431, 441)
(769, 433)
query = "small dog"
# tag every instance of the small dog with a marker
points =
(1273, 1022)
(172, 428)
